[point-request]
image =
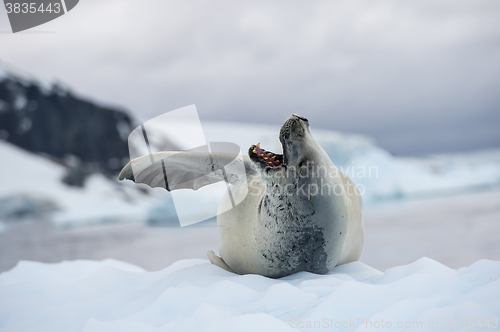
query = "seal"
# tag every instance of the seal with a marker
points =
(299, 212)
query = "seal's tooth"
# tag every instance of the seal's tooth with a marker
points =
(273, 157)
(258, 145)
(254, 151)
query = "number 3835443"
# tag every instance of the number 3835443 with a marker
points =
(31, 8)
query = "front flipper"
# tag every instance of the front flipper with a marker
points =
(188, 170)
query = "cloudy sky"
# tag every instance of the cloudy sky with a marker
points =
(418, 76)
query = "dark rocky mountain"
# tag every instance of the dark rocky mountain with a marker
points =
(85, 137)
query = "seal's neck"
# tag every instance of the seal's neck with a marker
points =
(286, 200)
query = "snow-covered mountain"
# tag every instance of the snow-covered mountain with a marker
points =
(50, 119)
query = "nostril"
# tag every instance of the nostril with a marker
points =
(301, 118)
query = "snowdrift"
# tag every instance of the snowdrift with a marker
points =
(193, 295)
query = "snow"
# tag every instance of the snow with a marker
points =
(193, 295)
(101, 201)
(180, 129)
(20, 101)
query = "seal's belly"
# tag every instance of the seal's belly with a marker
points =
(294, 249)
(276, 236)
(290, 241)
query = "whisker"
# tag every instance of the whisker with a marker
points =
(284, 115)
(280, 116)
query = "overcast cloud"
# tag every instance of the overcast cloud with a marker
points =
(418, 76)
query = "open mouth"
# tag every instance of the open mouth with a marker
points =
(264, 157)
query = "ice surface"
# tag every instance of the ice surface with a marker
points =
(193, 295)
(25, 204)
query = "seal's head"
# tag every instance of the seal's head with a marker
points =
(296, 140)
